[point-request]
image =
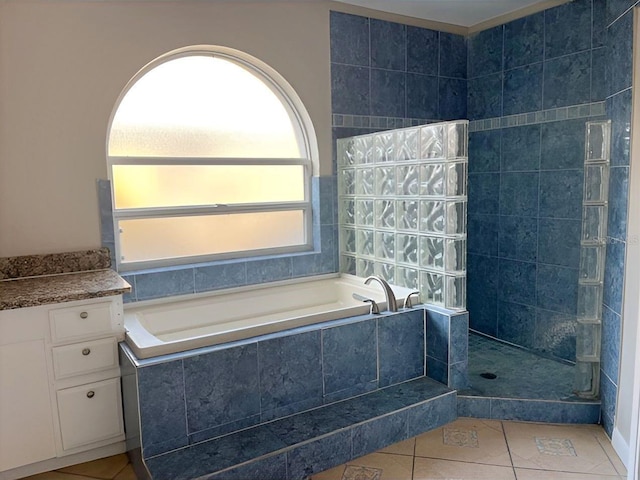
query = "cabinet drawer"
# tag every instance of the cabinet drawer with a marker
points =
(81, 321)
(85, 357)
(90, 413)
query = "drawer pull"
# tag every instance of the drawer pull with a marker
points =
(84, 314)
(86, 351)
(90, 394)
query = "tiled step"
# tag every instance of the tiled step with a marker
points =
(309, 442)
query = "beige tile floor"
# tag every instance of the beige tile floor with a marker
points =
(467, 449)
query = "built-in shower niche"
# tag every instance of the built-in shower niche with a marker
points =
(403, 209)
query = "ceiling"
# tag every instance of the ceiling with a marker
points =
(466, 13)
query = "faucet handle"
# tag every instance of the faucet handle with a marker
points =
(407, 299)
(374, 306)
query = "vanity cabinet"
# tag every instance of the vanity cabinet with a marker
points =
(59, 380)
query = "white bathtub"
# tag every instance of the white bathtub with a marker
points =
(170, 325)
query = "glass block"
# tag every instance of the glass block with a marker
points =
(364, 243)
(456, 218)
(456, 179)
(432, 142)
(347, 240)
(407, 248)
(407, 277)
(408, 180)
(385, 244)
(347, 181)
(346, 151)
(364, 212)
(457, 140)
(386, 271)
(407, 144)
(588, 341)
(432, 252)
(364, 181)
(384, 147)
(598, 135)
(363, 147)
(346, 213)
(432, 216)
(589, 302)
(592, 258)
(594, 223)
(455, 292)
(385, 214)
(432, 179)
(385, 181)
(432, 287)
(586, 382)
(348, 264)
(364, 267)
(596, 183)
(455, 254)
(407, 214)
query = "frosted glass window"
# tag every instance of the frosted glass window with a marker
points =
(209, 157)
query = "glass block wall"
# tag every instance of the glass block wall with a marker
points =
(403, 209)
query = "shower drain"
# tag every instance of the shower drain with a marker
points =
(489, 375)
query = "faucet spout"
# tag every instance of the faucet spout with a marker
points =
(392, 304)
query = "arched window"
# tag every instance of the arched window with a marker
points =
(210, 156)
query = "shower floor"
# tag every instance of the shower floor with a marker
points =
(519, 373)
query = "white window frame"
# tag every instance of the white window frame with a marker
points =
(303, 127)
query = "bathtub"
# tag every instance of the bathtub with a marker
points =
(177, 324)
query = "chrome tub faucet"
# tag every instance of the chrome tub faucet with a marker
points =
(392, 304)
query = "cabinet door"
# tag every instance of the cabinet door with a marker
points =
(26, 421)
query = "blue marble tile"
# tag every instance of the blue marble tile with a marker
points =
(482, 234)
(269, 270)
(290, 371)
(105, 207)
(619, 68)
(458, 375)
(224, 429)
(559, 242)
(556, 334)
(482, 293)
(484, 151)
(315, 423)
(222, 387)
(318, 263)
(543, 411)
(438, 336)
(599, 63)
(475, 407)
(522, 89)
(164, 283)
(521, 148)
(483, 193)
(452, 98)
(611, 335)
(557, 288)
(432, 414)
(415, 391)
(615, 8)
(561, 193)
(327, 186)
(349, 39)
(349, 355)
(484, 97)
(524, 41)
(453, 55)
(516, 323)
(379, 433)
(401, 347)
(519, 194)
(599, 25)
(614, 275)
(388, 93)
(608, 396)
(485, 52)
(365, 407)
(567, 28)
(422, 50)
(319, 455)
(517, 282)
(349, 392)
(567, 80)
(437, 370)
(483, 313)
(269, 468)
(221, 275)
(350, 89)
(161, 396)
(562, 144)
(422, 96)
(618, 202)
(459, 338)
(619, 110)
(388, 45)
(518, 238)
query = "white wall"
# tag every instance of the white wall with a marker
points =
(63, 65)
